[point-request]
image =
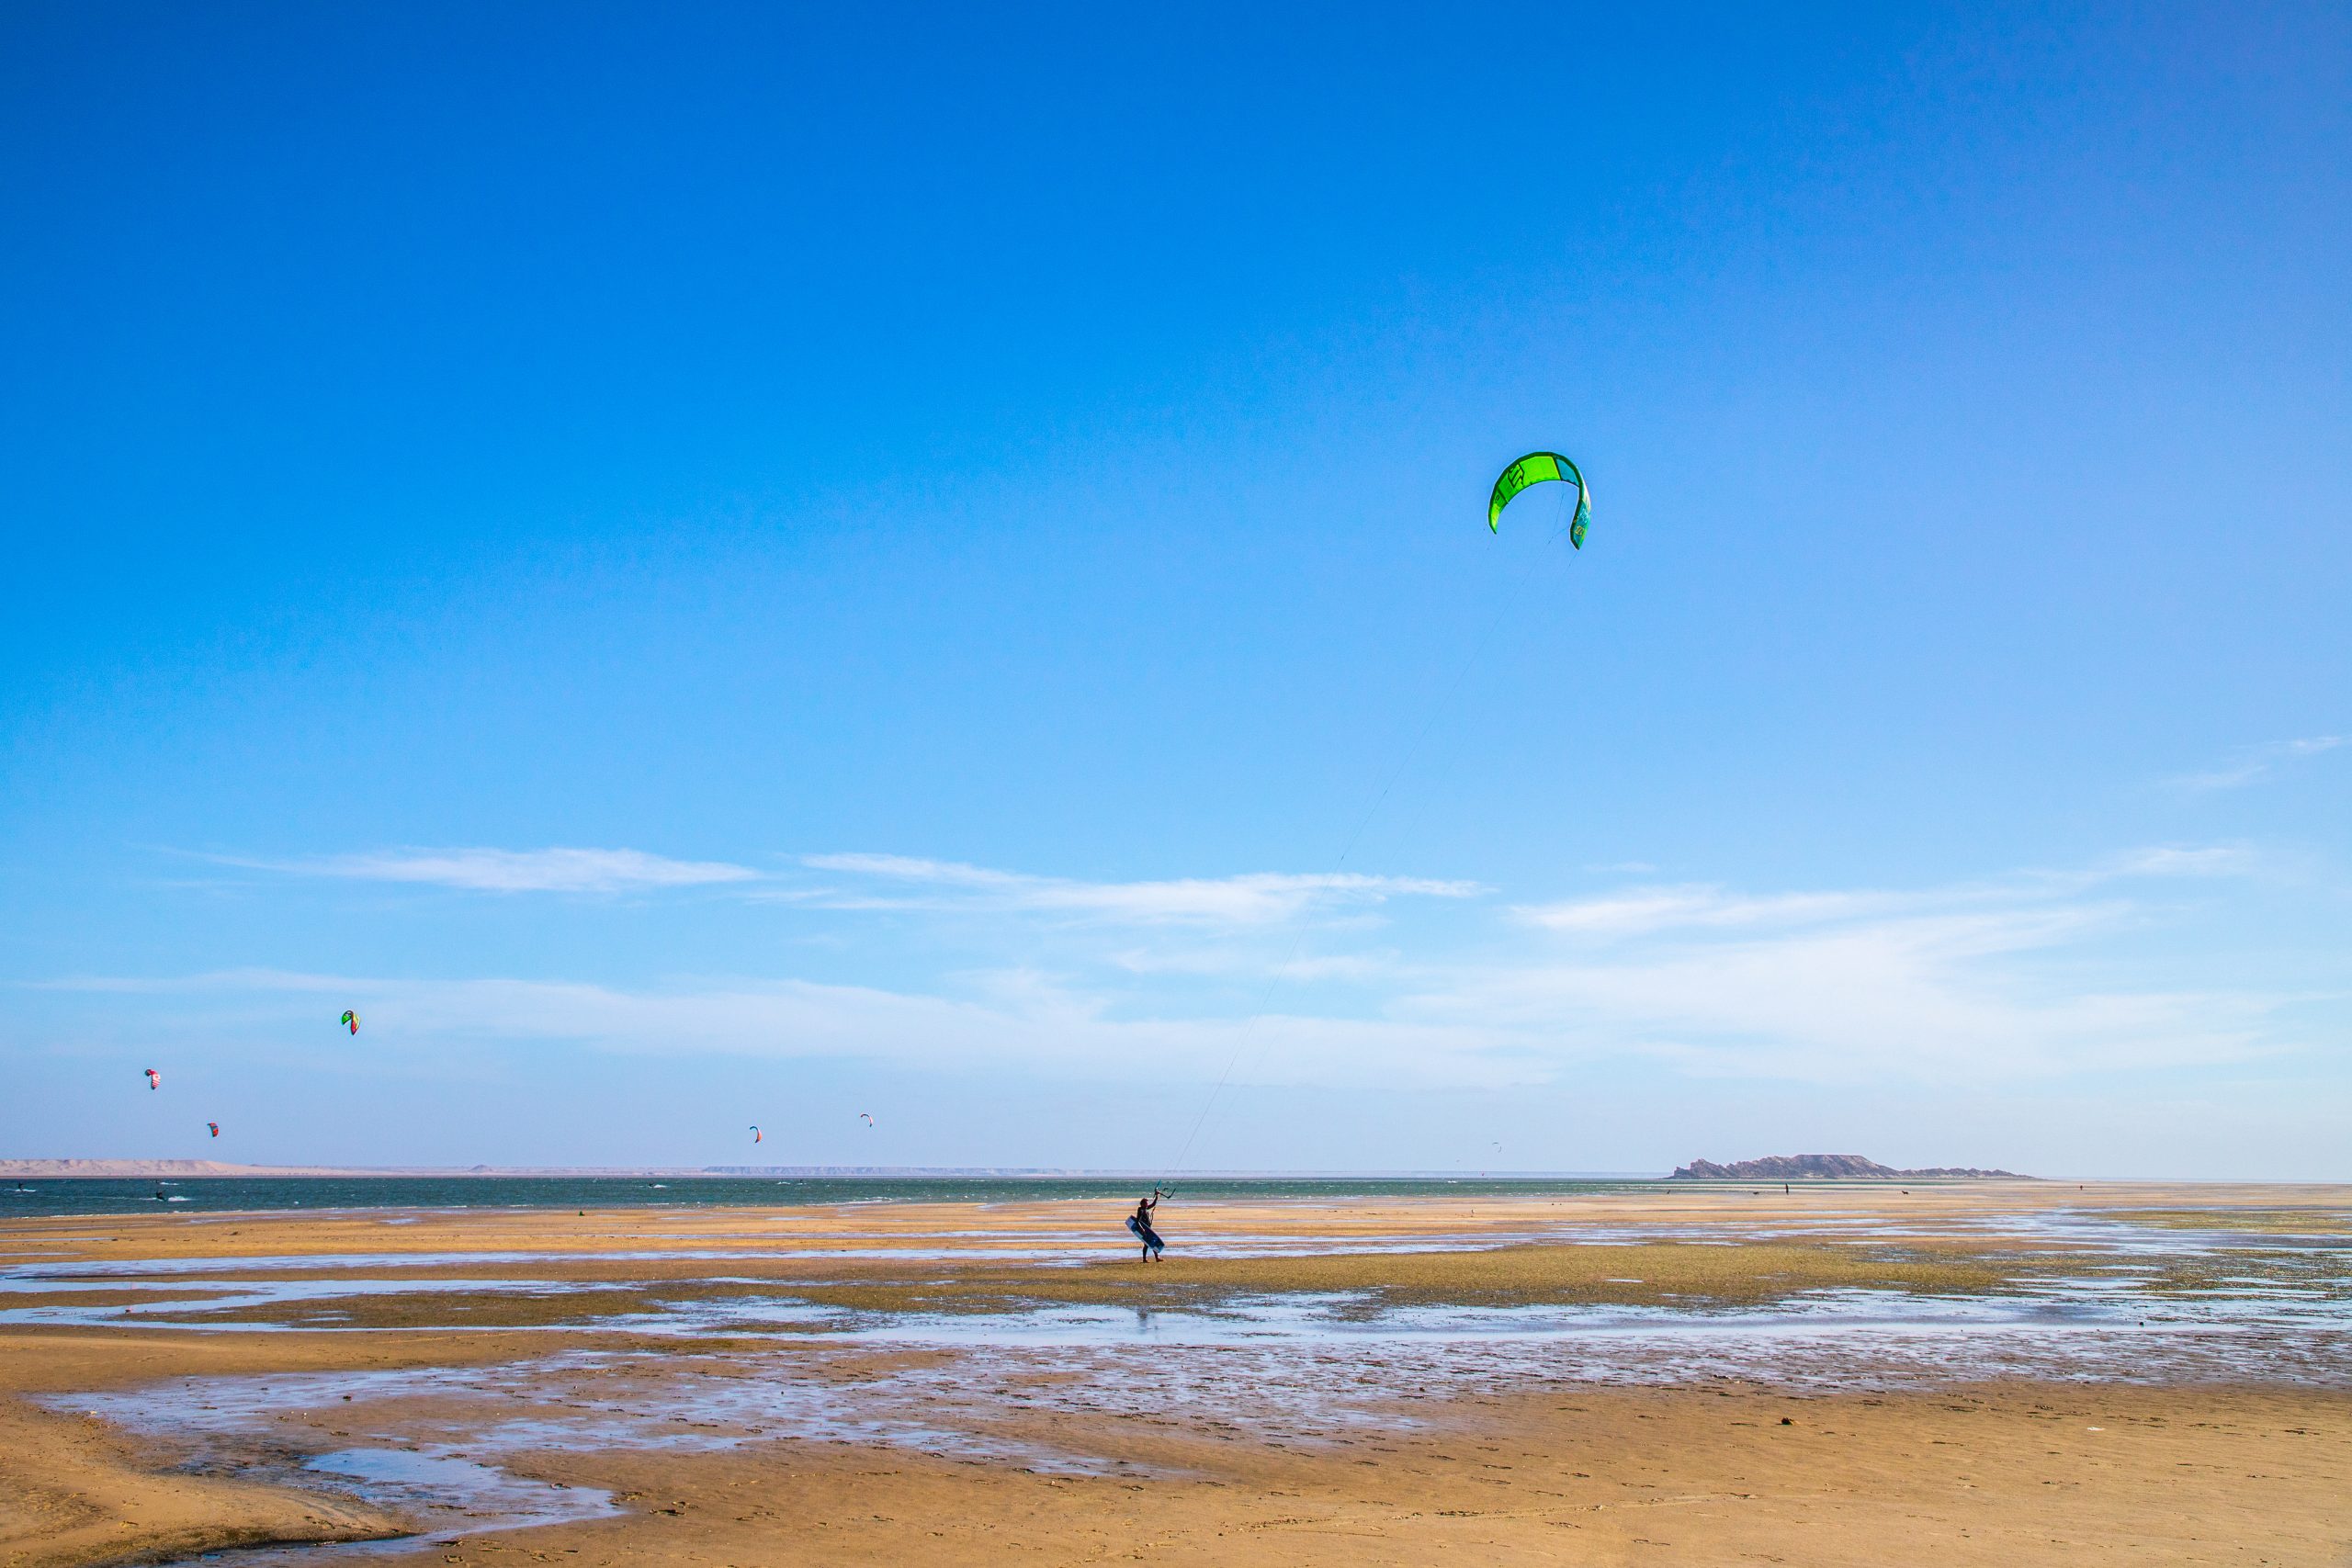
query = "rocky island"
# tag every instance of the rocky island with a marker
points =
(1820, 1167)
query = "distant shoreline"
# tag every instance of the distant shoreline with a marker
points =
(12, 1170)
(130, 1169)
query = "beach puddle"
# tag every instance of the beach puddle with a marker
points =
(454, 1495)
(440, 1495)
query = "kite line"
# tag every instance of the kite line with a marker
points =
(1533, 468)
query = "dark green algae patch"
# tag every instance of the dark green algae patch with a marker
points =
(2332, 1224)
(434, 1309)
(1694, 1275)
(1654, 1274)
(1661, 1273)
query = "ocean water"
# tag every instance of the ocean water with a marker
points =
(85, 1195)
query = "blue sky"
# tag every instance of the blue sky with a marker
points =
(754, 566)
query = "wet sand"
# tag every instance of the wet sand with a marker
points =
(1298, 1383)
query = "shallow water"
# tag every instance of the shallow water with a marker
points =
(1089, 1390)
(1085, 1391)
(2309, 1282)
(443, 1495)
(92, 1195)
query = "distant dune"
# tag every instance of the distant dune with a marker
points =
(1818, 1168)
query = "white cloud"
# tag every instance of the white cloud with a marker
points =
(1650, 910)
(1256, 898)
(2173, 860)
(514, 870)
(2002, 981)
(1640, 910)
(1014, 1018)
(1240, 962)
(1961, 983)
(882, 882)
(1955, 997)
(2256, 763)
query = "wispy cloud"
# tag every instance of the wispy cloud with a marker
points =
(1235, 961)
(2000, 980)
(513, 871)
(1010, 1018)
(1648, 909)
(1965, 981)
(1640, 910)
(2256, 763)
(1948, 996)
(2174, 860)
(877, 882)
(1257, 899)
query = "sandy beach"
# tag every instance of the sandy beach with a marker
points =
(1958, 1373)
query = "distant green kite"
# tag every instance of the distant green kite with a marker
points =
(1535, 469)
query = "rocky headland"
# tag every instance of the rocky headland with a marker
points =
(1822, 1168)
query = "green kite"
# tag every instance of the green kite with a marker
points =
(1536, 469)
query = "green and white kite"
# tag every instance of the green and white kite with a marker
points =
(1535, 469)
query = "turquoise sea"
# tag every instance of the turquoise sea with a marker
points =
(87, 1195)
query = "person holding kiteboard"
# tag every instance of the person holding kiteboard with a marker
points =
(1139, 1223)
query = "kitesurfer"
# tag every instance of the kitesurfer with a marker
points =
(1140, 1224)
